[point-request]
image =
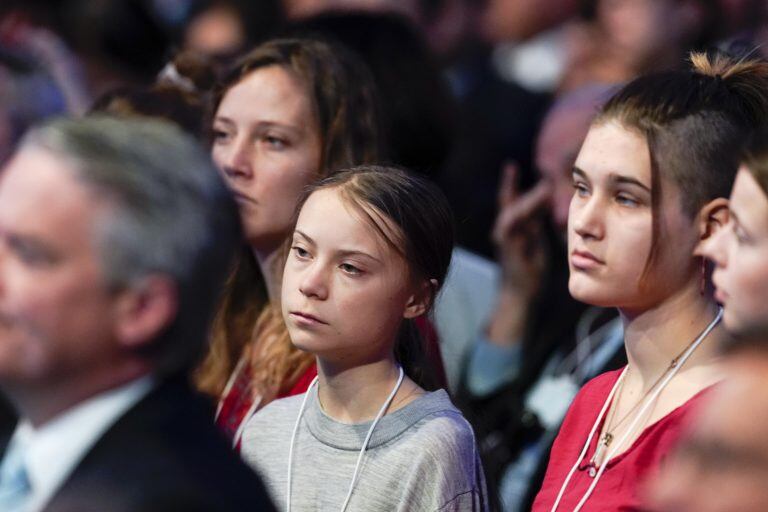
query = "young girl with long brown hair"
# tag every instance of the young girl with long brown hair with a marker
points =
(369, 252)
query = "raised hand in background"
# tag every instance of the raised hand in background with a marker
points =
(518, 236)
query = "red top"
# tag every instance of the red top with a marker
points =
(237, 406)
(303, 383)
(620, 486)
(235, 403)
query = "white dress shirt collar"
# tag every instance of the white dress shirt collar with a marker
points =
(60, 444)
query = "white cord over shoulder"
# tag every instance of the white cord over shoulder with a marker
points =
(589, 439)
(367, 440)
(677, 364)
(293, 440)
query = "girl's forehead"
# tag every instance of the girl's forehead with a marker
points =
(612, 149)
(341, 218)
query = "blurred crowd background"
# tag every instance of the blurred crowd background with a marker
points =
(465, 83)
(487, 97)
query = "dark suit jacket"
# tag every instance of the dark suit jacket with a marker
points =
(163, 455)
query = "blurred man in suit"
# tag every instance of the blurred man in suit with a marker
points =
(115, 237)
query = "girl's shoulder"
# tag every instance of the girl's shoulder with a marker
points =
(281, 406)
(442, 454)
(273, 416)
(437, 424)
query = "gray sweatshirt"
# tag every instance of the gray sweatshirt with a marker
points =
(421, 457)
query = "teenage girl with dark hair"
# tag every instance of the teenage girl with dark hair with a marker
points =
(650, 186)
(370, 249)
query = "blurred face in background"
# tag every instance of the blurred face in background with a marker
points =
(57, 311)
(557, 146)
(722, 465)
(640, 30)
(298, 9)
(268, 147)
(518, 20)
(740, 254)
(217, 31)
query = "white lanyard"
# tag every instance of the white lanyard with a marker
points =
(649, 401)
(230, 384)
(256, 402)
(383, 409)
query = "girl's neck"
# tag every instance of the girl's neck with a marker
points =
(355, 394)
(655, 336)
(270, 264)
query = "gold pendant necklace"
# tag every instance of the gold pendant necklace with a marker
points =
(607, 438)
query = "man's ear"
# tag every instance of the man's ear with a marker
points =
(145, 309)
(712, 217)
(420, 302)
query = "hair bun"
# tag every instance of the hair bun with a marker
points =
(746, 78)
(720, 65)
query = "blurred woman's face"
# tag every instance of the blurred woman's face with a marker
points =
(557, 145)
(638, 30)
(518, 20)
(740, 254)
(267, 145)
(217, 31)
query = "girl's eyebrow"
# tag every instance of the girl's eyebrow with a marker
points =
(266, 123)
(342, 252)
(304, 236)
(223, 120)
(626, 180)
(581, 174)
(615, 179)
(263, 124)
(353, 252)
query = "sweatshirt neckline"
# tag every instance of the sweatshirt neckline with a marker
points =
(346, 436)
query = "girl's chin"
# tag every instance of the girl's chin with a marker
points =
(304, 342)
(596, 295)
(317, 346)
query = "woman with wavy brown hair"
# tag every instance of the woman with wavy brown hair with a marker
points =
(288, 113)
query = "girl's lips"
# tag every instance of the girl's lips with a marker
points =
(307, 318)
(720, 295)
(584, 260)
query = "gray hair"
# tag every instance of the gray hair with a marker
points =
(171, 214)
